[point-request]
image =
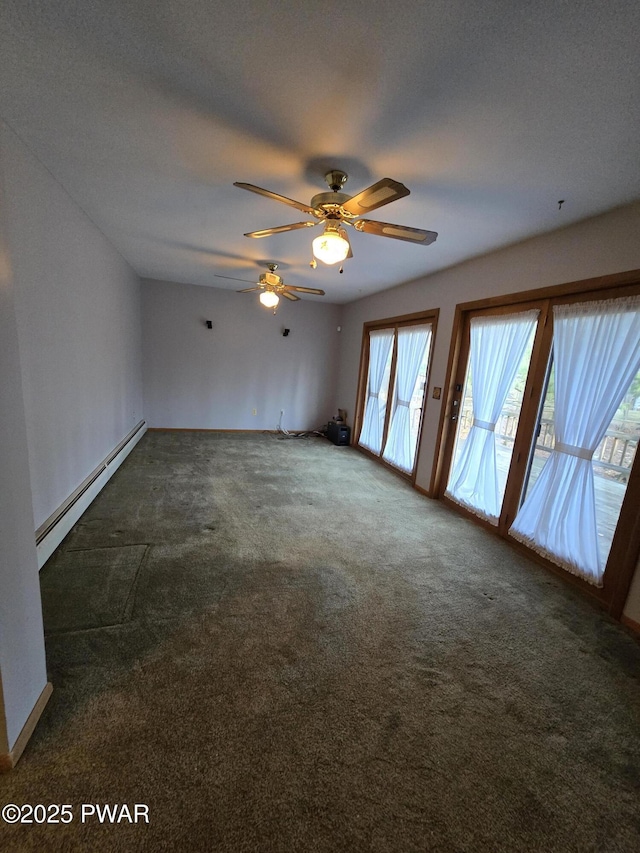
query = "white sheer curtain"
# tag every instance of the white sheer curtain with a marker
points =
(413, 342)
(497, 347)
(380, 343)
(596, 348)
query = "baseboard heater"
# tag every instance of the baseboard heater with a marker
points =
(51, 533)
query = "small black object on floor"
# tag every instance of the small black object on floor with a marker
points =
(338, 433)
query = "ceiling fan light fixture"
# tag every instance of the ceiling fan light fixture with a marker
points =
(332, 246)
(269, 299)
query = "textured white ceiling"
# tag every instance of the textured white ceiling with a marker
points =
(147, 111)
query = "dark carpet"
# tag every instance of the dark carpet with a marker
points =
(278, 645)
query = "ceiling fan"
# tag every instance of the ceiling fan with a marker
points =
(272, 287)
(335, 209)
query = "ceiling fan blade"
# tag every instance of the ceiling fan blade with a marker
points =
(267, 232)
(288, 295)
(314, 290)
(231, 278)
(291, 202)
(248, 290)
(398, 232)
(349, 253)
(382, 192)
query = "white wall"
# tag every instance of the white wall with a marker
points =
(78, 315)
(22, 662)
(213, 379)
(603, 245)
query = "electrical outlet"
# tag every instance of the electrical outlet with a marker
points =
(254, 411)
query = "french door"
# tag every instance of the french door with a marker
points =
(544, 422)
(500, 348)
(394, 375)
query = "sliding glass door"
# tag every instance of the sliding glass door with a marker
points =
(546, 422)
(596, 354)
(391, 398)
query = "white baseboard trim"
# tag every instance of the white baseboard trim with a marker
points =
(50, 534)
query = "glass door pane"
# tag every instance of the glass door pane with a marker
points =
(412, 353)
(417, 401)
(478, 475)
(584, 445)
(378, 375)
(384, 390)
(545, 434)
(611, 462)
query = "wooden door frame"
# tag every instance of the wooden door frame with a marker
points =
(393, 323)
(625, 549)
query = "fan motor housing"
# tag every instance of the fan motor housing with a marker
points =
(321, 199)
(270, 278)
